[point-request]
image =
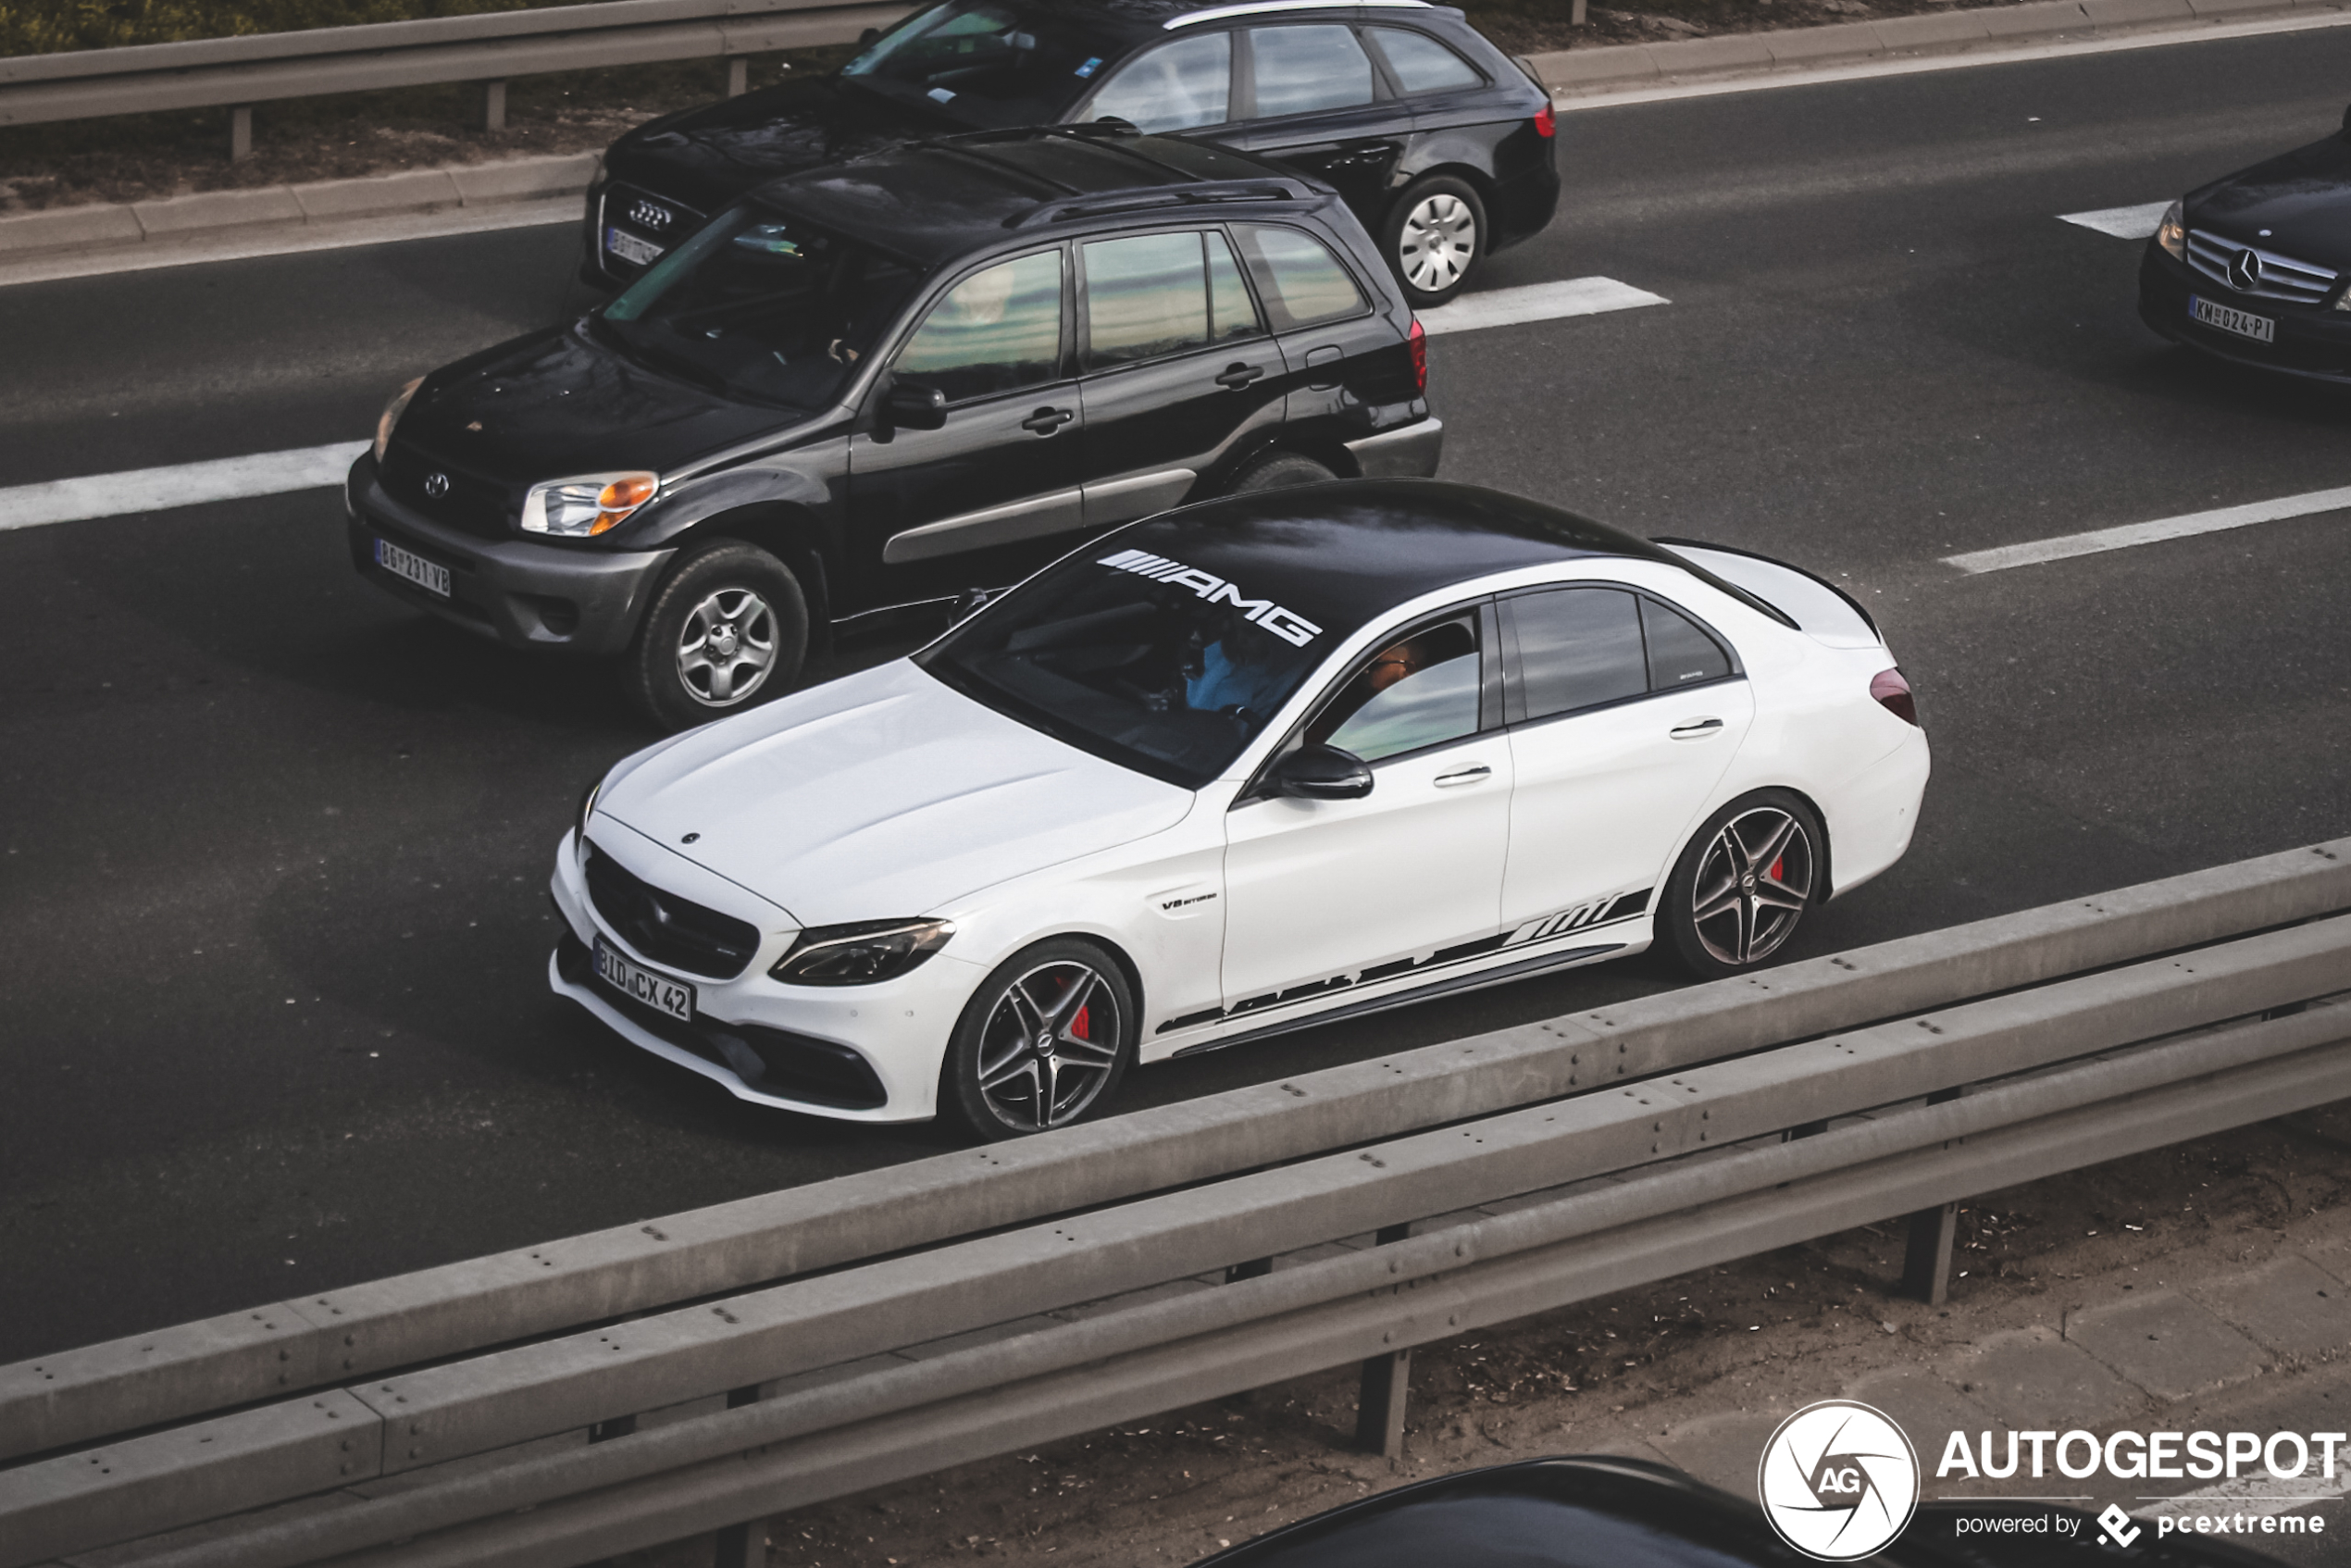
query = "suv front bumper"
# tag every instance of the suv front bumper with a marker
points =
(516, 592)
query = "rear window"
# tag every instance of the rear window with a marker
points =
(1421, 63)
(1577, 648)
(1299, 279)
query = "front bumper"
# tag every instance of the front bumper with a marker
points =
(516, 592)
(1408, 452)
(2312, 342)
(860, 1054)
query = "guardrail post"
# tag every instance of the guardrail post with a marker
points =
(737, 77)
(745, 1545)
(493, 106)
(240, 132)
(1386, 1382)
(1575, 14)
(1927, 1263)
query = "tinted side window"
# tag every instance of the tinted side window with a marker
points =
(1173, 87)
(1421, 63)
(1680, 653)
(1419, 690)
(1576, 647)
(1145, 296)
(996, 330)
(1300, 70)
(1301, 281)
(1232, 314)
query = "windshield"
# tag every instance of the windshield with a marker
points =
(990, 63)
(762, 306)
(1161, 666)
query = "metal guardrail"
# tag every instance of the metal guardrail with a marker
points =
(261, 68)
(1089, 1255)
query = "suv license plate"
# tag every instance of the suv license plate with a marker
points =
(639, 984)
(630, 249)
(430, 576)
(2229, 318)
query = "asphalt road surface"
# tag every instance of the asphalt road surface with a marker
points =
(273, 850)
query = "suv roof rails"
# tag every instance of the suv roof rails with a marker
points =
(1257, 7)
(1206, 193)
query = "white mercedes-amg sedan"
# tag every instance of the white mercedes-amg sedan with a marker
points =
(1259, 763)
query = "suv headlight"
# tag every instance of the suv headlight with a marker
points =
(587, 506)
(2172, 233)
(390, 415)
(861, 954)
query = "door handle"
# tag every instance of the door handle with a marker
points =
(1465, 775)
(1236, 377)
(1696, 729)
(1045, 421)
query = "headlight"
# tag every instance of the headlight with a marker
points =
(586, 809)
(2172, 233)
(390, 415)
(587, 506)
(861, 954)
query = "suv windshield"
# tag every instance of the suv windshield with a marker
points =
(759, 305)
(1163, 668)
(990, 63)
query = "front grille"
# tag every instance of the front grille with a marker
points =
(658, 219)
(669, 930)
(466, 501)
(2249, 270)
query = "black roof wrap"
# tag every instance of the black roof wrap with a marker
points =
(1346, 552)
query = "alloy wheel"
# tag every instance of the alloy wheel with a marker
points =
(726, 647)
(1438, 240)
(1050, 1045)
(1752, 885)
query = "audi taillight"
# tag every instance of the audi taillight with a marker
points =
(1418, 342)
(1546, 124)
(1893, 694)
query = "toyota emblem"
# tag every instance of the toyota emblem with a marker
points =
(2245, 271)
(436, 485)
(650, 215)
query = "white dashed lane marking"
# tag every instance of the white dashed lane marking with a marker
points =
(2123, 223)
(187, 484)
(2129, 534)
(1536, 302)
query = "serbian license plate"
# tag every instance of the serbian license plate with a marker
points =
(672, 997)
(630, 249)
(2229, 318)
(430, 576)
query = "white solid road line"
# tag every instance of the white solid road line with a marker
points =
(1536, 302)
(2123, 223)
(2129, 534)
(187, 484)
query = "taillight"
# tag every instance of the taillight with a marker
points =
(1893, 694)
(1418, 342)
(1546, 125)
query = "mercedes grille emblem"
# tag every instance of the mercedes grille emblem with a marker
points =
(650, 215)
(436, 485)
(2245, 271)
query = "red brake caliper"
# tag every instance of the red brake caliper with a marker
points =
(1082, 1026)
(1776, 866)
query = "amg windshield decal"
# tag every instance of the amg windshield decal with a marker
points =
(1288, 625)
(1542, 928)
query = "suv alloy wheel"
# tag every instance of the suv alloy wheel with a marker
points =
(727, 630)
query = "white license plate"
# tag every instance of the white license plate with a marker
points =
(630, 249)
(673, 997)
(2244, 323)
(430, 576)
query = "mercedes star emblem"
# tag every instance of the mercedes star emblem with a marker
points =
(2245, 271)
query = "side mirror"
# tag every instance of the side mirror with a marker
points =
(1322, 773)
(865, 39)
(910, 405)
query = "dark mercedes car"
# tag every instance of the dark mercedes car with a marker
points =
(1440, 142)
(2253, 268)
(893, 382)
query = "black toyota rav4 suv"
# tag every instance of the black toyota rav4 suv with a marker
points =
(1437, 140)
(896, 381)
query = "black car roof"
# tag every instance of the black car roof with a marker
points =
(1345, 552)
(931, 201)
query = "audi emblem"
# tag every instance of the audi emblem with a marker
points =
(436, 485)
(650, 215)
(2245, 271)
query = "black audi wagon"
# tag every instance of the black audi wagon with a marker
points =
(902, 380)
(1440, 142)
